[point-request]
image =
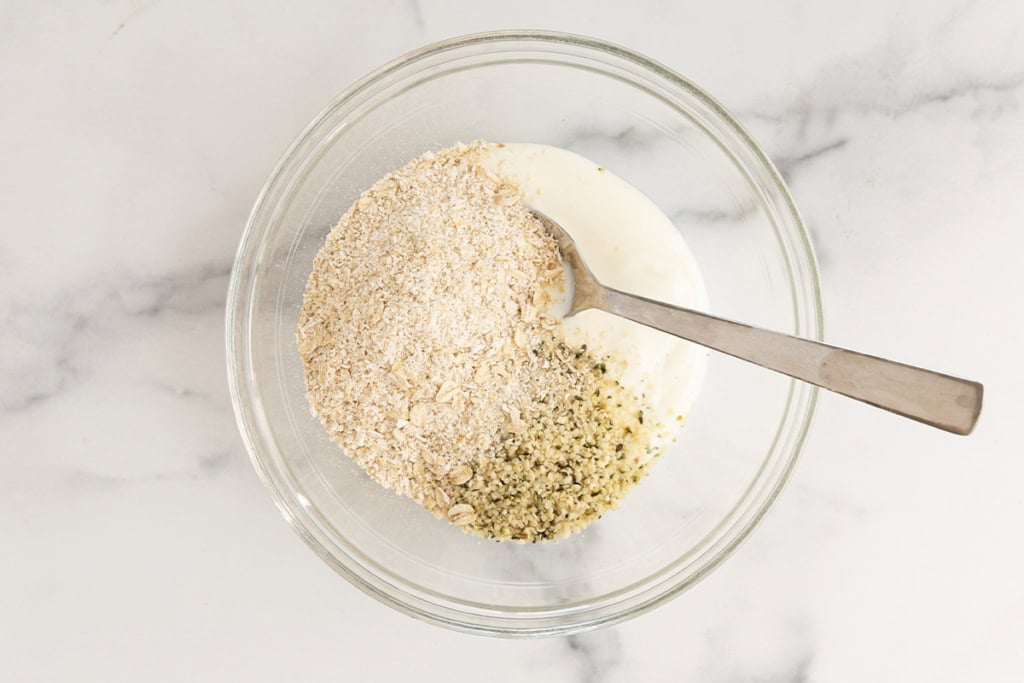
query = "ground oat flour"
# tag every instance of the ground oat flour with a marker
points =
(430, 359)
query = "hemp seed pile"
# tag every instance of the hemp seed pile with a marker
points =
(430, 360)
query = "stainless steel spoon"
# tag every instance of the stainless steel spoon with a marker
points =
(942, 401)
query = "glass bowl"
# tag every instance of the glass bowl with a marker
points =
(652, 128)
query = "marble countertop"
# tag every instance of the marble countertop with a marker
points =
(138, 542)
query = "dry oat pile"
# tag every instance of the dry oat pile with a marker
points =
(429, 359)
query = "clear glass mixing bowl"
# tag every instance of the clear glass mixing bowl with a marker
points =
(656, 130)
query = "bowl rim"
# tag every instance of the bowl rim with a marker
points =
(451, 613)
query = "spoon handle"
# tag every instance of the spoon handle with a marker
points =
(942, 401)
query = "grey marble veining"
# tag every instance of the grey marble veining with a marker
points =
(138, 541)
(64, 331)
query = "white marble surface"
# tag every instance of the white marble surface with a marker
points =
(138, 543)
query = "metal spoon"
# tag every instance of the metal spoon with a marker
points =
(942, 401)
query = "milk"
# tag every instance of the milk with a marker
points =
(632, 246)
